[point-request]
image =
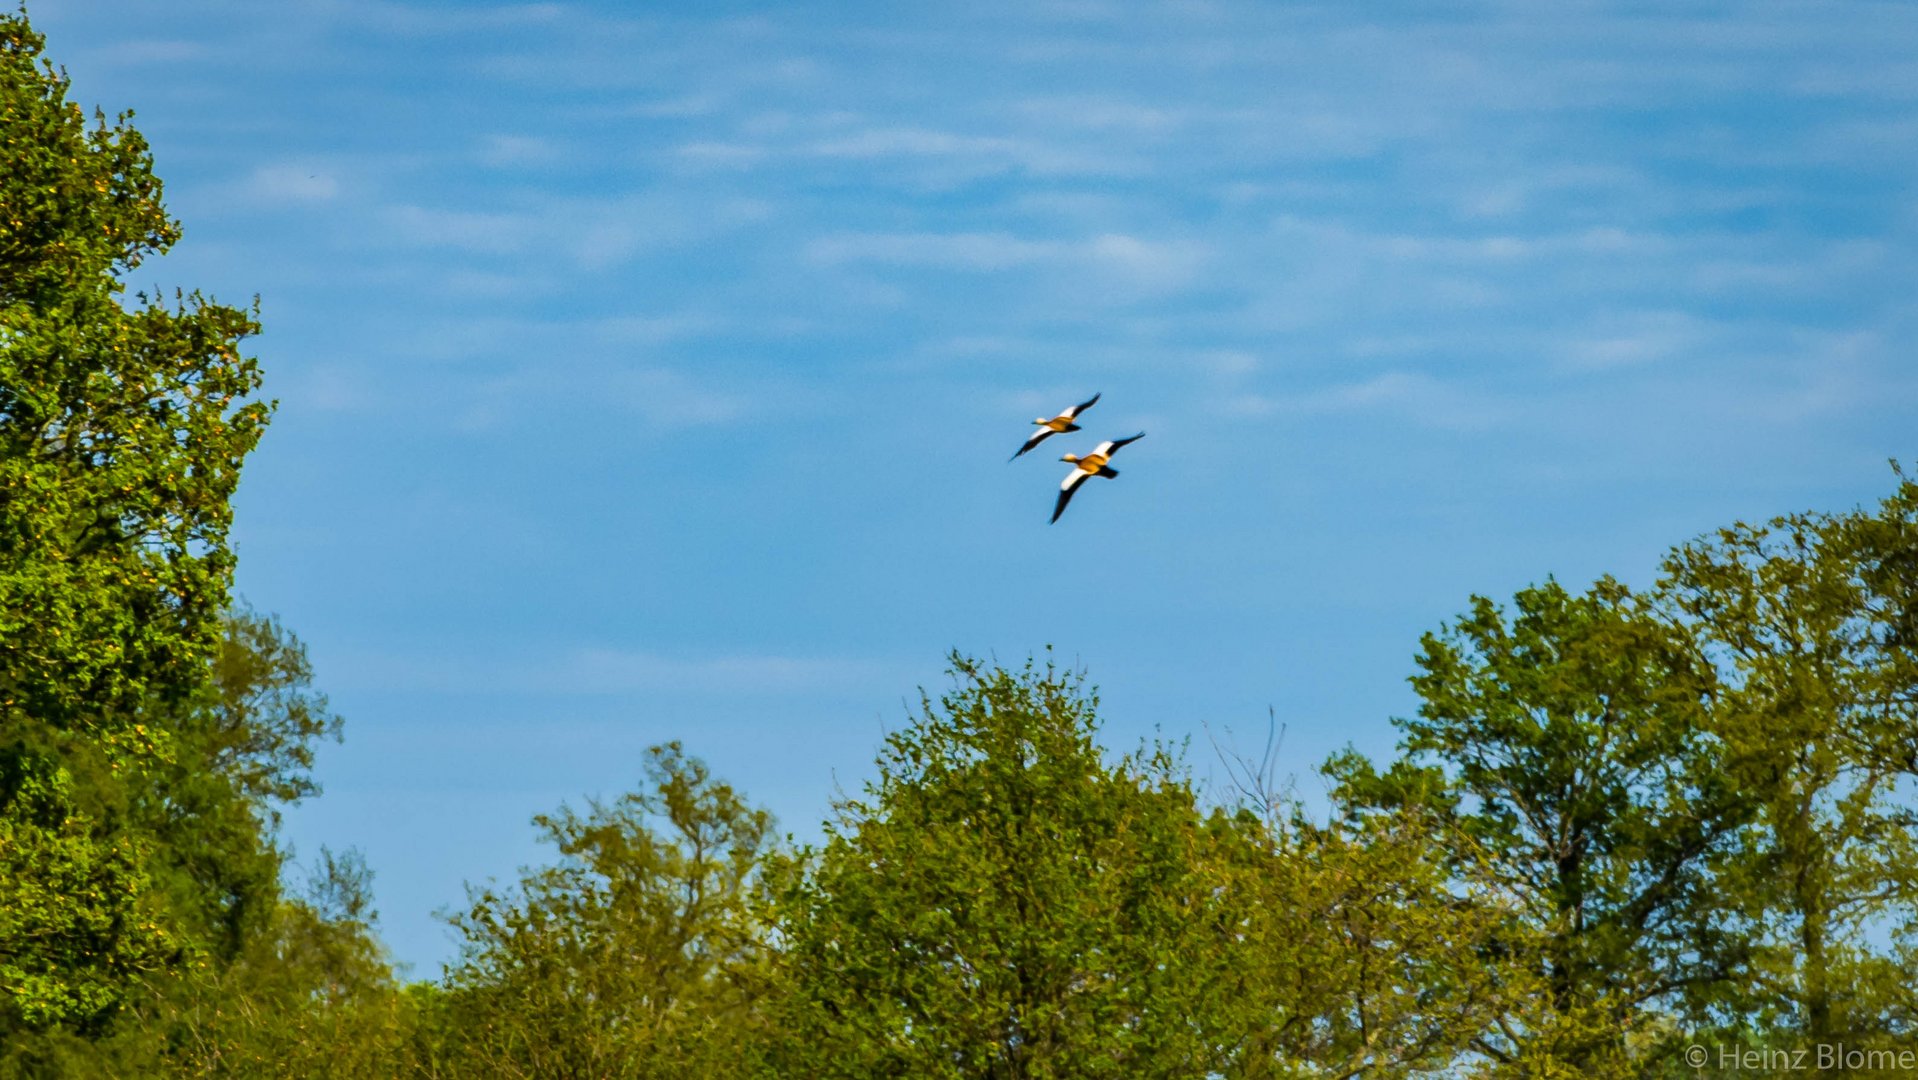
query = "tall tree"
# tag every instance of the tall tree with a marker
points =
(1005, 903)
(631, 956)
(1568, 745)
(240, 751)
(257, 974)
(309, 992)
(122, 432)
(1359, 951)
(1810, 618)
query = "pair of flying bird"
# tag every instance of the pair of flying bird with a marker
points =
(1093, 464)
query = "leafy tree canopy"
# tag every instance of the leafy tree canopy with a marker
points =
(122, 431)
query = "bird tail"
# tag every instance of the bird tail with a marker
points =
(1108, 473)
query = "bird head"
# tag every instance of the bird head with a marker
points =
(1074, 458)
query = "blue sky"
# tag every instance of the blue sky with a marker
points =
(649, 371)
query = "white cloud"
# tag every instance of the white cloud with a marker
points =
(720, 155)
(895, 142)
(462, 230)
(150, 51)
(592, 234)
(1108, 115)
(1816, 376)
(662, 398)
(600, 669)
(324, 387)
(919, 155)
(955, 251)
(981, 154)
(424, 21)
(506, 151)
(292, 183)
(652, 329)
(1154, 264)
(1412, 395)
(607, 670)
(1149, 263)
(677, 107)
(1495, 248)
(1228, 363)
(1776, 268)
(468, 282)
(669, 399)
(1634, 338)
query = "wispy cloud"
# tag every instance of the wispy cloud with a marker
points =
(953, 251)
(484, 233)
(1628, 339)
(1408, 394)
(292, 182)
(661, 398)
(1163, 263)
(919, 156)
(422, 20)
(982, 153)
(509, 151)
(601, 669)
(155, 51)
(593, 234)
(605, 670)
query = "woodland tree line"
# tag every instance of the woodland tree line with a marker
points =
(1622, 822)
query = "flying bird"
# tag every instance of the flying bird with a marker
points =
(1056, 425)
(1093, 464)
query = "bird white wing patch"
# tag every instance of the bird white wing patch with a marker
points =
(1070, 485)
(1038, 437)
(1073, 413)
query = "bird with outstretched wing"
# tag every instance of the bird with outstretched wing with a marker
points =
(1084, 468)
(1055, 426)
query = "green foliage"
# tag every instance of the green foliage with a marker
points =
(240, 751)
(309, 994)
(1008, 904)
(1810, 617)
(1620, 823)
(630, 957)
(1577, 773)
(77, 921)
(121, 437)
(258, 983)
(121, 432)
(1358, 951)
(259, 729)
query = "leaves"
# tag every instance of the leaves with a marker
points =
(121, 438)
(629, 957)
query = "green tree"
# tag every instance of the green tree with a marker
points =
(1810, 618)
(632, 957)
(1570, 750)
(310, 992)
(1004, 903)
(122, 431)
(260, 976)
(239, 752)
(1360, 950)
